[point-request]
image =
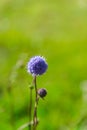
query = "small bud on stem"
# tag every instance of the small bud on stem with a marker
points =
(42, 92)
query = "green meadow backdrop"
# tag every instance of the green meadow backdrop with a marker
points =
(57, 30)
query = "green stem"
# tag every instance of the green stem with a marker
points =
(35, 107)
(30, 107)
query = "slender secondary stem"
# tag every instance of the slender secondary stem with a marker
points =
(30, 107)
(35, 107)
(26, 125)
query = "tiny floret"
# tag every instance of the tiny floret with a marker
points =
(37, 65)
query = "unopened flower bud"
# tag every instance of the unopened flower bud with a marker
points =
(42, 92)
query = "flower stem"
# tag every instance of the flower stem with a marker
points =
(35, 107)
(26, 125)
(30, 107)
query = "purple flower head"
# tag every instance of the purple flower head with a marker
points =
(37, 65)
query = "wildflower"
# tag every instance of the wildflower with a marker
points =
(42, 92)
(37, 65)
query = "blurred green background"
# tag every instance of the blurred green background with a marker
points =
(56, 30)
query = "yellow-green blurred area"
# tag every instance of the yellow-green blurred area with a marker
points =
(57, 30)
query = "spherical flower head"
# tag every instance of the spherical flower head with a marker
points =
(37, 65)
(42, 92)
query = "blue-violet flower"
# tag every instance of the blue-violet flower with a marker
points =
(37, 65)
